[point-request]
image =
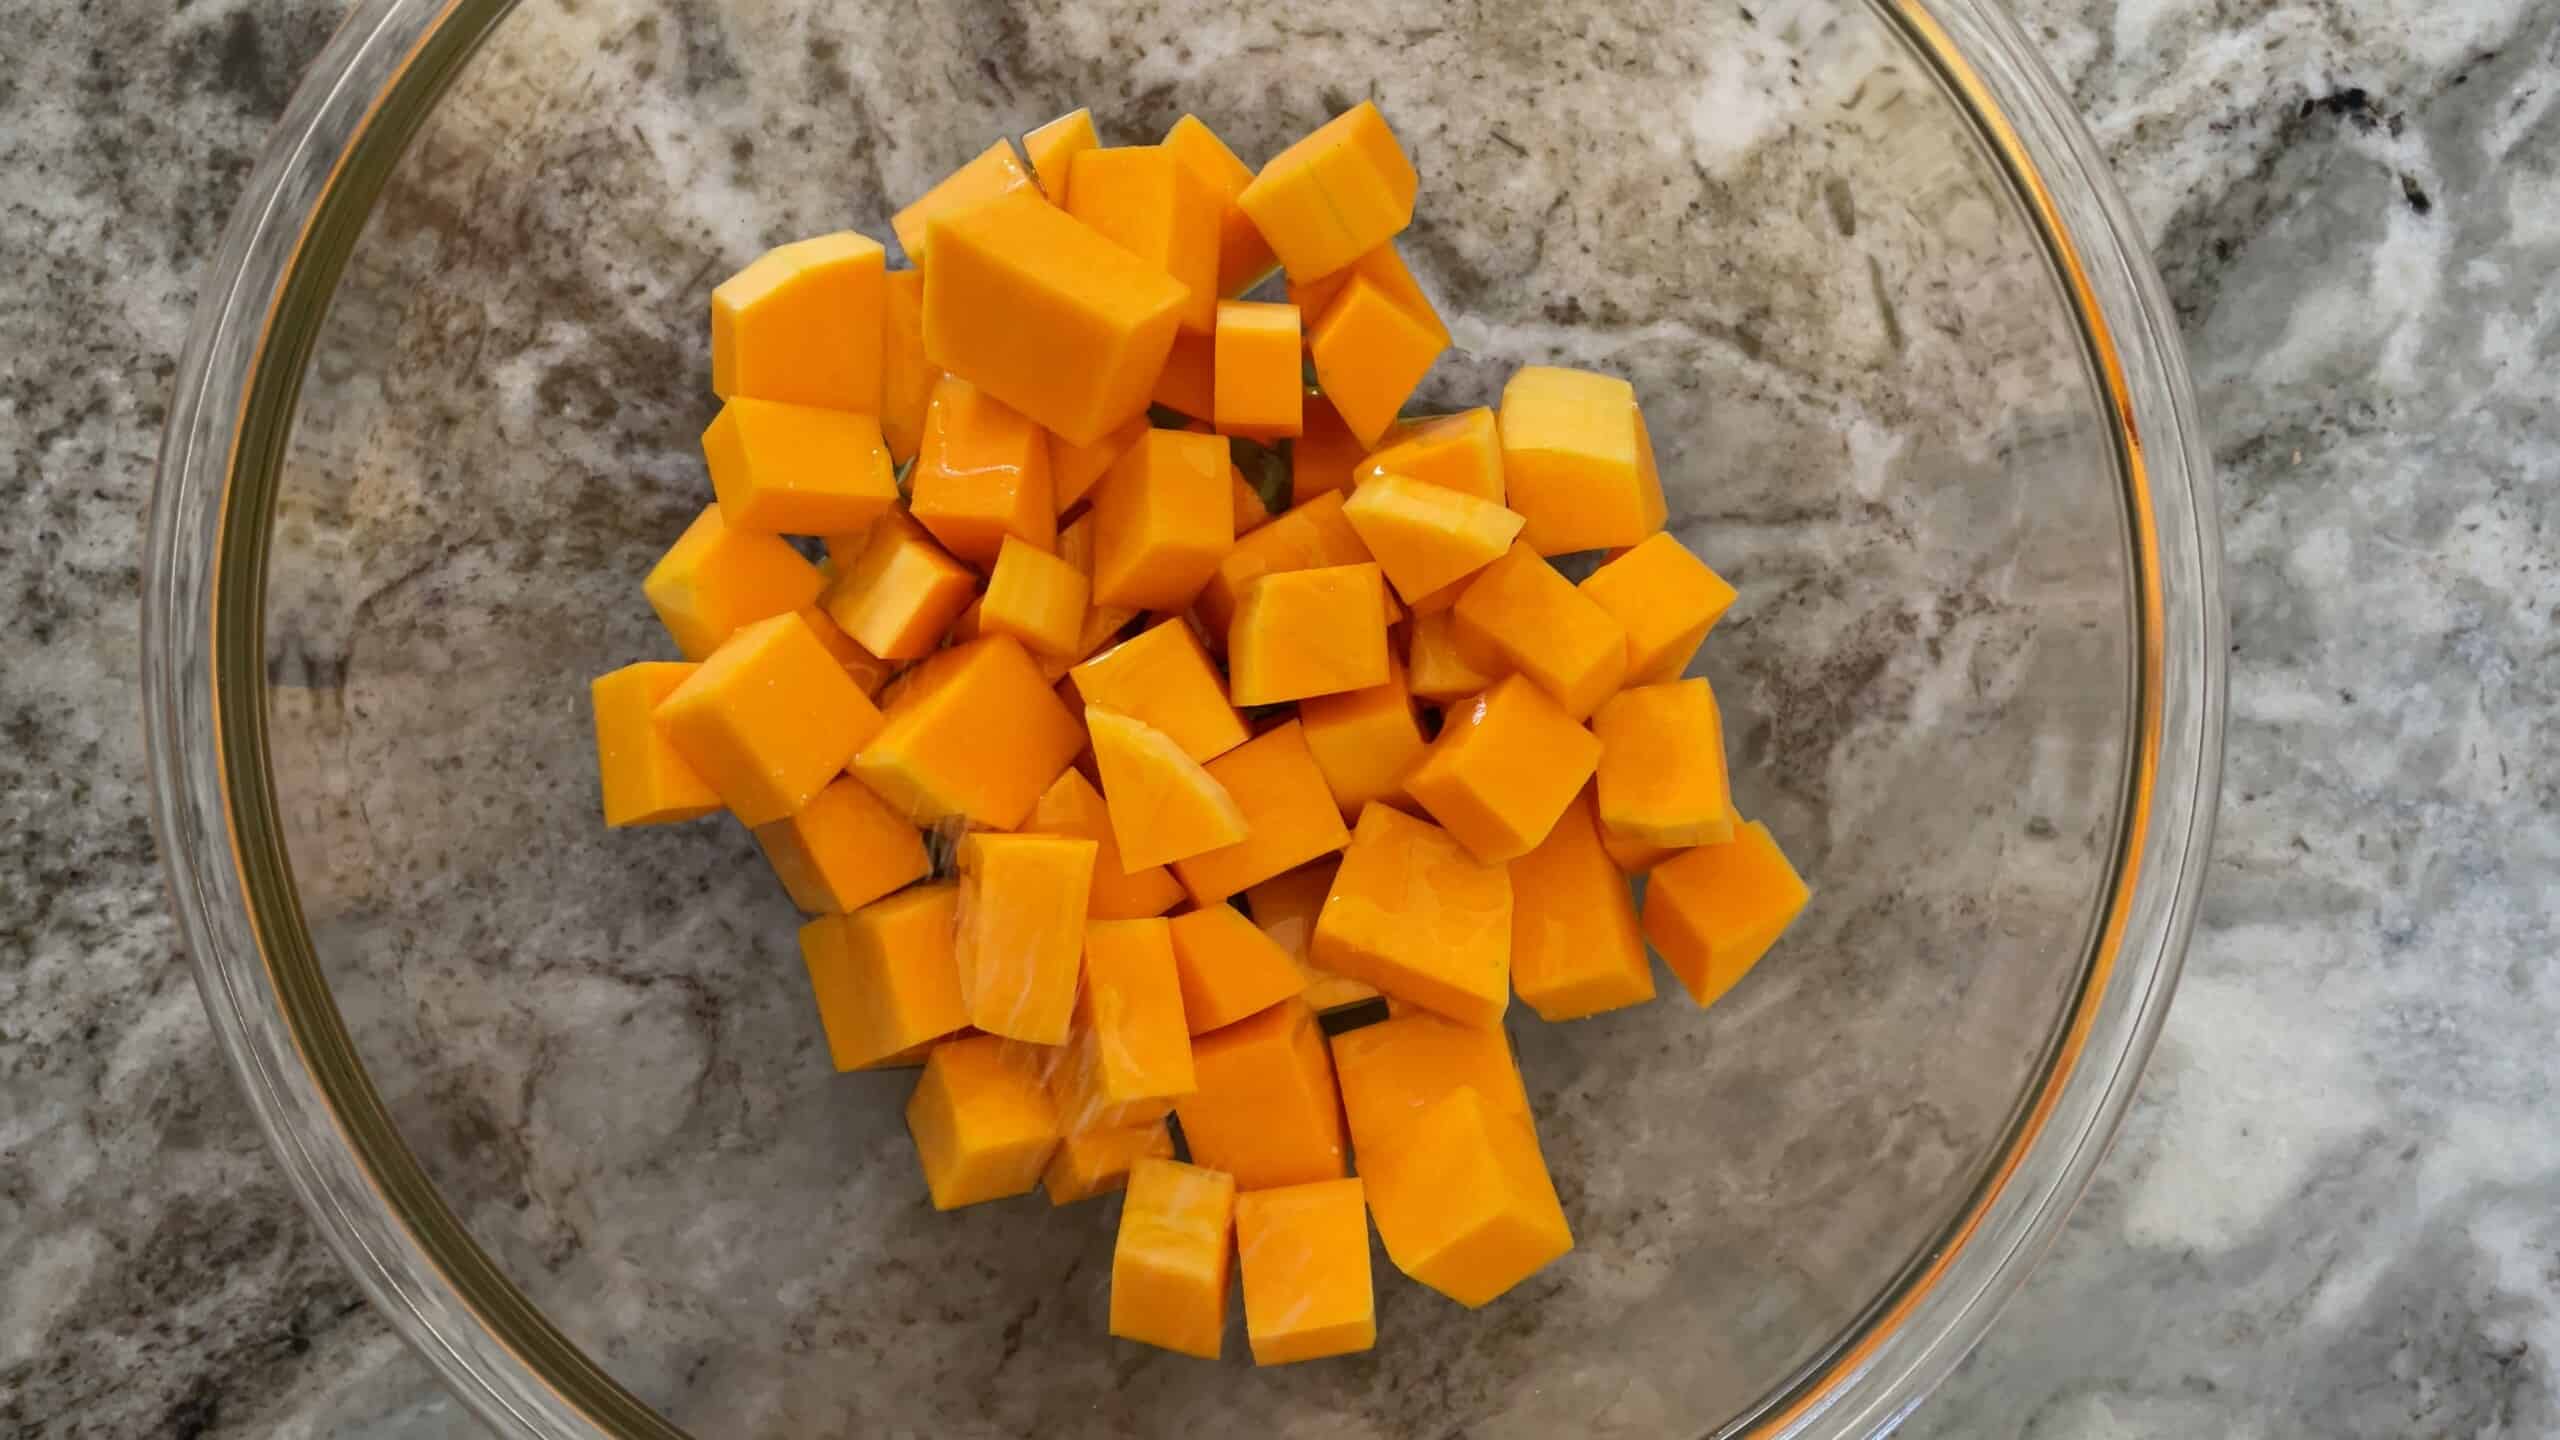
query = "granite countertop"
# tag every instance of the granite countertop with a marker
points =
(2335, 1209)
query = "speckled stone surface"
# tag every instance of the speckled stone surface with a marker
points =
(2330, 1213)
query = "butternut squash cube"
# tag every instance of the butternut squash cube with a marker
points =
(1097, 1162)
(1383, 267)
(1461, 452)
(1266, 1111)
(982, 1122)
(1164, 677)
(1521, 613)
(906, 377)
(1715, 910)
(1369, 354)
(1335, 195)
(1036, 598)
(869, 671)
(1047, 315)
(1440, 671)
(1667, 600)
(1577, 462)
(1326, 454)
(1465, 1204)
(1053, 148)
(1244, 257)
(802, 325)
(796, 469)
(1073, 469)
(1636, 857)
(1164, 805)
(1308, 632)
(1288, 814)
(1144, 199)
(1130, 1052)
(884, 976)
(1393, 1072)
(1310, 536)
(901, 593)
(1575, 946)
(1285, 908)
(1365, 741)
(1071, 806)
(1162, 520)
(1169, 1266)
(1304, 1251)
(1251, 513)
(768, 720)
(1020, 941)
(1662, 775)
(983, 474)
(1228, 967)
(1255, 388)
(1503, 768)
(1412, 913)
(1428, 537)
(975, 733)
(715, 579)
(645, 781)
(995, 171)
(843, 850)
(1189, 382)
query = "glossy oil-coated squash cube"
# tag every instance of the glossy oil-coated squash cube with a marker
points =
(1504, 766)
(1369, 354)
(1308, 632)
(1462, 452)
(1576, 948)
(1147, 201)
(645, 782)
(843, 850)
(992, 172)
(803, 325)
(1228, 967)
(1428, 537)
(1162, 521)
(974, 733)
(1285, 908)
(1165, 806)
(1130, 1052)
(1576, 461)
(1310, 536)
(1164, 677)
(1383, 267)
(1522, 615)
(1071, 806)
(1366, 741)
(1465, 1204)
(796, 469)
(768, 720)
(1662, 775)
(716, 578)
(1244, 257)
(900, 592)
(1437, 668)
(1036, 598)
(1073, 469)
(1097, 1162)
(1053, 148)
(983, 474)
(1413, 914)
(1255, 388)
(1713, 911)
(1393, 1072)
(1666, 598)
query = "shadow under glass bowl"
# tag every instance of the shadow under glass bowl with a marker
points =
(557, 1095)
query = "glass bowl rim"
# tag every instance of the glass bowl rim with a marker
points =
(230, 419)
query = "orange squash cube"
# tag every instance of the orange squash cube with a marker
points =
(1255, 388)
(1309, 537)
(1393, 1072)
(1145, 200)
(1370, 353)
(1244, 257)
(1662, 775)
(1326, 453)
(1413, 914)
(1162, 520)
(1169, 1264)
(869, 671)
(1266, 1111)
(1667, 600)
(994, 172)
(802, 325)
(1715, 910)
(1053, 148)
(1071, 806)
(1440, 671)
(1383, 267)
(1342, 191)
(1365, 741)
(1097, 1162)
(1251, 513)
(1428, 537)
(901, 593)
(975, 733)
(1285, 908)
(1130, 1052)
(1304, 1251)
(1036, 598)
(1228, 967)
(1189, 382)
(884, 976)
(645, 781)
(1288, 814)
(1164, 677)
(1465, 1204)
(906, 377)
(1636, 857)
(1576, 461)
(982, 1122)
(768, 720)
(1020, 942)
(1576, 949)
(1523, 614)
(796, 469)
(1073, 469)
(1047, 315)
(715, 579)
(843, 850)
(1461, 452)
(1164, 805)
(983, 474)
(1503, 768)
(1308, 632)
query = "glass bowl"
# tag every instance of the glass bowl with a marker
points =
(558, 1096)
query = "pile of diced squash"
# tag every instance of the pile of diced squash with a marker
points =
(1201, 761)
